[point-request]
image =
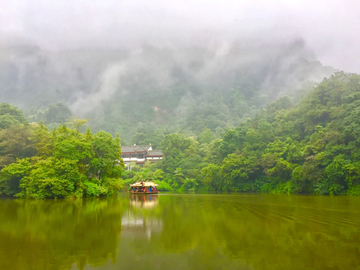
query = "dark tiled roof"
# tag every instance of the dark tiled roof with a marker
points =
(154, 153)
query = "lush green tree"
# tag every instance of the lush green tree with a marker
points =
(237, 172)
(52, 114)
(106, 153)
(11, 176)
(206, 136)
(50, 178)
(15, 142)
(68, 163)
(282, 103)
(211, 176)
(148, 135)
(233, 140)
(77, 124)
(10, 115)
(173, 148)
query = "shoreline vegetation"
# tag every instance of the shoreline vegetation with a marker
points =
(58, 163)
(310, 146)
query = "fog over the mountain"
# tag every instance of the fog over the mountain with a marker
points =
(329, 27)
(96, 57)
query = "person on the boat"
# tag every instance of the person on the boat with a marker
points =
(150, 189)
(144, 189)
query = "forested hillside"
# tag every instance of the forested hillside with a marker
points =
(240, 118)
(149, 92)
(309, 147)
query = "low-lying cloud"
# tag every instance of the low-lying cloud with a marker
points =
(109, 83)
(329, 28)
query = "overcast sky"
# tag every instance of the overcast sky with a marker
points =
(330, 28)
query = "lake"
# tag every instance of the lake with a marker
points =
(181, 231)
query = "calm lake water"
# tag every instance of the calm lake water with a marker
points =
(187, 231)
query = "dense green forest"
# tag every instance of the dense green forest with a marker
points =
(37, 162)
(308, 145)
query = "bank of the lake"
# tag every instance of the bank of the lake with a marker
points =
(181, 231)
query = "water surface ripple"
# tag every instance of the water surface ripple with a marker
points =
(181, 231)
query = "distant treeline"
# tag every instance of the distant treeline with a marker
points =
(311, 147)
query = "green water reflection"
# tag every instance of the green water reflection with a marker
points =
(170, 231)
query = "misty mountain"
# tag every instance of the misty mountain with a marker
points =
(172, 88)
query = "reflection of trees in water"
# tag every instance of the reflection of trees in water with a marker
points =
(246, 232)
(179, 238)
(141, 219)
(55, 234)
(277, 232)
(186, 232)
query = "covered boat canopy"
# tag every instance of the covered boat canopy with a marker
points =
(144, 184)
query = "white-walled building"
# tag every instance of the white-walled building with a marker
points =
(140, 154)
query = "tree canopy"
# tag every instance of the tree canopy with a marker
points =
(59, 163)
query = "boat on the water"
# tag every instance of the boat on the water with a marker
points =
(144, 187)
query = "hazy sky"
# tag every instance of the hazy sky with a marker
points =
(330, 28)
